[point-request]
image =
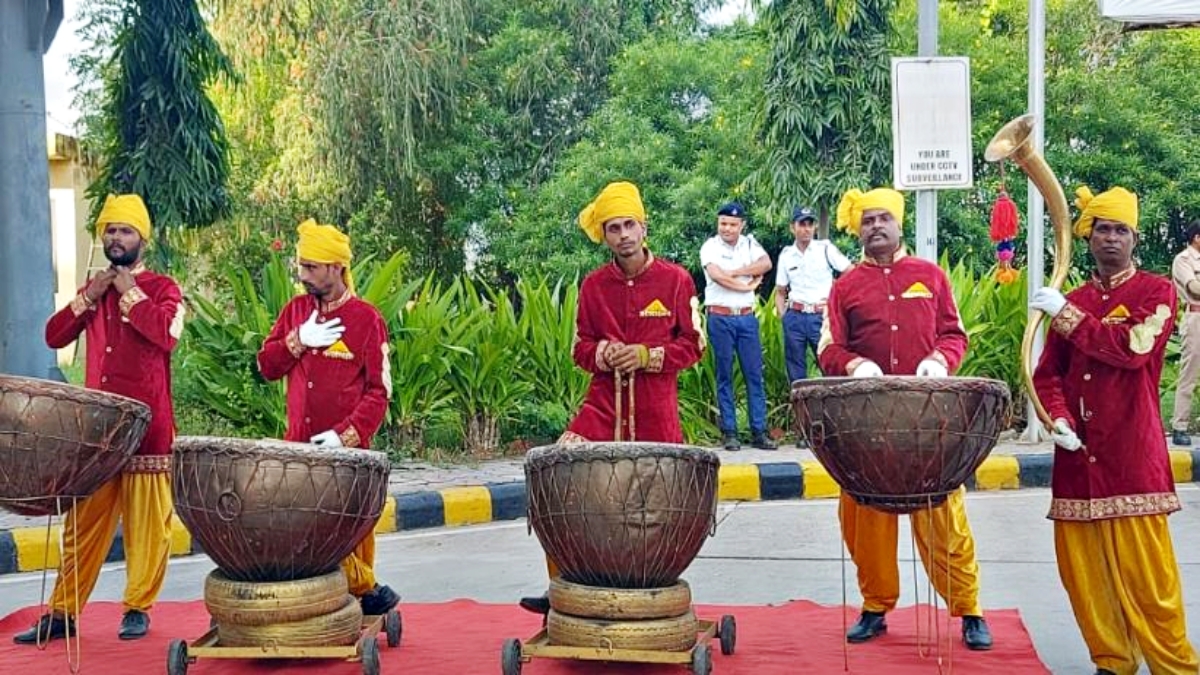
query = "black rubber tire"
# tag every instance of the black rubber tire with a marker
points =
(368, 651)
(701, 660)
(177, 658)
(510, 657)
(393, 627)
(727, 632)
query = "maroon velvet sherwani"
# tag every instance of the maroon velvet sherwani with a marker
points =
(344, 387)
(129, 343)
(895, 315)
(657, 308)
(1100, 372)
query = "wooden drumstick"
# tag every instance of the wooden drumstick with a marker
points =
(617, 404)
(632, 408)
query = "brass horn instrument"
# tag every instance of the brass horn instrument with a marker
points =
(1013, 142)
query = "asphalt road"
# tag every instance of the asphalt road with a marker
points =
(763, 552)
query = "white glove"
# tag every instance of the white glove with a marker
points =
(931, 368)
(1064, 436)
(313, 334)
(867, 369)
(1048, 300)
(327, 439)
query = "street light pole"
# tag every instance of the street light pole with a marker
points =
(927, 45)
(26, 268)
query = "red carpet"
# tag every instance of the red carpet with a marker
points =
(464, 638)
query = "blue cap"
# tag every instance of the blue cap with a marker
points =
(803, 213)
(733, 209)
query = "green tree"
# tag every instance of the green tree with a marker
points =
(157, 132)
(678, 124)
(826, 106)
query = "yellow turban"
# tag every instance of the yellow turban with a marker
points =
(1117, 204)
(325, 244)
(128, 209)
(854, 202)
(616, 200)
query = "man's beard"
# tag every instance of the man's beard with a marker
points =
(125, 259)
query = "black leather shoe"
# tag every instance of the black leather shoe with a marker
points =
(1180, 438)
(134, 625)
(870, 625)
(976, 635)
(763, 442)
(47, 628)
(379, 601)
(538, 604)
(732, 442)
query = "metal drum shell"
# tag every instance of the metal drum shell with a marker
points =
(622, 515)
(901, 443)
(60, 442)
(268, 510)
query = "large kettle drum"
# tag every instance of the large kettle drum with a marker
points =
(900, 443)
(272, 510)
(60, 442)
(622, 515)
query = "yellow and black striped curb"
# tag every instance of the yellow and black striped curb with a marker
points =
(29, 549)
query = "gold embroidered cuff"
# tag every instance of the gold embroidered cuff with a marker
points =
(149, 464)
(571, 438)
(293, 342)
(601, 363)
(130, 298)
(655, 362)
(854, 363)
(350, 437)
(80, 304)
(1067, 320)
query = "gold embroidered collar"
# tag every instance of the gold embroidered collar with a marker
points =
(337, 304)
(640, 271)
(899, 255)
(1116, 280)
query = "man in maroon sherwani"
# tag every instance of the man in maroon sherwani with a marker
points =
(132, 318)
(894, 314)
(333, 348)
(1112, 487)
(636, 329)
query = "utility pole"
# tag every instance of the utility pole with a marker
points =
(1035, 239)
(26, 269)
(927, 203)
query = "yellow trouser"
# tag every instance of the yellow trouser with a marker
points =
(945, 543)
(1123, 582)
(359, 566)
(142, 502)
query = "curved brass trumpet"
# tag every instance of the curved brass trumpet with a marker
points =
(1013, 142)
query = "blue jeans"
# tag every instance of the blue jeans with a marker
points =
(800, 331)
(727, 335)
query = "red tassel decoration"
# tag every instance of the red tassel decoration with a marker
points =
(1004, 219)
(1002, 231)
